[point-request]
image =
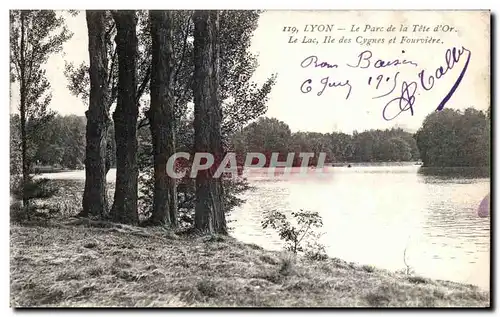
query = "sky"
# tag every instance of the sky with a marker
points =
(343, 107)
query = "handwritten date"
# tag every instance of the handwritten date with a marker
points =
(327, 82)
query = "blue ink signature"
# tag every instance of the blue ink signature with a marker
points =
(452, 56)
(407, 98)
(405, 101)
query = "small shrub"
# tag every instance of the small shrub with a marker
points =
(316, 251)
(34, 189)
(294, 235)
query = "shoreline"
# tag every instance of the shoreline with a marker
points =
(397, 271)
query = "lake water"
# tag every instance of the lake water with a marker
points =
(372, 213)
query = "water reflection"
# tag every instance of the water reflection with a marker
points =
(462, 173)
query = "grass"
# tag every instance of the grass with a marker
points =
(72, 263)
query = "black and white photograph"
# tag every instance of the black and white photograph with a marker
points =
(250, 158)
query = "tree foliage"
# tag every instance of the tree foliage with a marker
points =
(454, 138)
(60, 144)
(34, 36)
(63, 142)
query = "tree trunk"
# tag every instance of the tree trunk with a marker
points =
(95, 196)
(209, 211)
(125, 119)
(22, 93)
(162, 118)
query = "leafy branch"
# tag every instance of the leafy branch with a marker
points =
(294, 235)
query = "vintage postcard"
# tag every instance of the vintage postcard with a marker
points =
(187, 158)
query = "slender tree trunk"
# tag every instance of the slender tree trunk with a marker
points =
(209, 211)
(22, 93)
(95, 196)
(162, 118)
(125, 119)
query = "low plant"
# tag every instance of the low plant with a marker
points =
(408, 270)
(315, 250)
(298, 236)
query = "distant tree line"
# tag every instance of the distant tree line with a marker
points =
(447, 138)
(268, 135)
(58, 144)
(61, 143)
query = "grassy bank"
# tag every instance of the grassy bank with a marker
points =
(74, 263)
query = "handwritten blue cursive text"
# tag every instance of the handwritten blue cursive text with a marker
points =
(389, 84)
(326, 82)
(313, 61)
(364, 60)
